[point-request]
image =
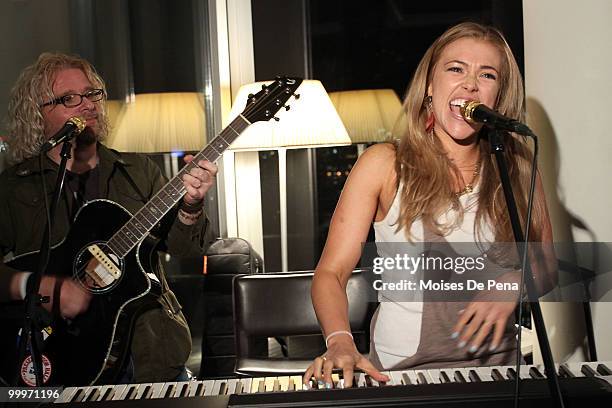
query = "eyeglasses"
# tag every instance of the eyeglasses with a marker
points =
(73, 100)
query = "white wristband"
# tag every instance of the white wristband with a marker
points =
(332, 334)
(23, 285)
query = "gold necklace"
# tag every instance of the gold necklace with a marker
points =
(469, 187)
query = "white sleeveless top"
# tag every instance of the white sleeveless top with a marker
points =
(396, 329)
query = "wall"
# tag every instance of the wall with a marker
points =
(567, 73)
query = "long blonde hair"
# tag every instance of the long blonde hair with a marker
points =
(33, 87)
(423, 166)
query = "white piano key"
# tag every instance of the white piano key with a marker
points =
(156, 390)
(142, 388)
(434, 374)
(297, 382)
(231, 385)
(256, 385)
(484, 373)
(67, 394)
(168, 390)
(120, 389)
(412, 375)
(246, 385)
(220, 385)
(361, 380)
(397, 378)
(208, 387)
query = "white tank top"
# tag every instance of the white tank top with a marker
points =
(396, 329)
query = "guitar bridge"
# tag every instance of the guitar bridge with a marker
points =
(101, 268)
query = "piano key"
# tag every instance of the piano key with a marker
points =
(588, 371)
(142, 389)
(78, 395)
(246, 385)
(93, 395)
(269, 384)
(361, 380)
(131, 392)
(156, 390)
(510, 373)
(473, 376)
(220, 387)
(336, 380)
(169, 390)
(458, 376)
(485, 373)
(66, 394)
(106, 393)
(444, 377)
(391, 379)
(119, 390)
(231, 385)
(565, 372)
(255, 384)
(423, 377)
(297, 382)
(195, 388)
(603, 369)
(398, 377)
(535, 373)
(434, 374)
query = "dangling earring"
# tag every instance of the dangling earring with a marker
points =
(430, 122)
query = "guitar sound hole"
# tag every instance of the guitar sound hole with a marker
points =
(97, 268)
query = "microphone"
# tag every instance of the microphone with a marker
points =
(71, 128)
(476, 112)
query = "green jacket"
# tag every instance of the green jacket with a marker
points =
(161, 342)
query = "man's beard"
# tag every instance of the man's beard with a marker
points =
(87, 137)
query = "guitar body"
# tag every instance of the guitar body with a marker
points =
(93, 347)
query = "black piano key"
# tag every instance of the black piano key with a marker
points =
(474, 377)
(535, 373)
(93, 395)
(588, 371)
(406, 379)
(496, 375)
(459, 377)
(146, 394)
(184, 390)
(78, 396)
(565, 372)
(223, 388)
(108, 394)
(200, 390)
(444, 378)
(511, 373)
(169, 391)
(421, 379)
(603, 369)
(368, 381)
(239, 387)
(131, 394)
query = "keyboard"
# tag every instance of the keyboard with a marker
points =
(580, 382)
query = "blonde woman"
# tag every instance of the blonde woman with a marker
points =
(438, 179)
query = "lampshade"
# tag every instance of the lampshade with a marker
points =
(311, 121)
(158, 123)
(368, 115)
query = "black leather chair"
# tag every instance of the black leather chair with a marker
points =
(273, 305)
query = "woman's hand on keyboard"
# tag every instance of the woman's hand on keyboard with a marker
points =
(341, 353)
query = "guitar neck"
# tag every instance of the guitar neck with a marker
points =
(135, 230)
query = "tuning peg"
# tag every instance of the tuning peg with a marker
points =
(249, 96)
(296, 96)
(275, 118)
(286, 107)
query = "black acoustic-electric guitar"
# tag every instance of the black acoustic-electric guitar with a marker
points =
(110, 252)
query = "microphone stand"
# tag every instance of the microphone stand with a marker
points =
(497, 145)
(36, 317)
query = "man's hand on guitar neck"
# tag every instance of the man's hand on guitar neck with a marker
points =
(73, 299)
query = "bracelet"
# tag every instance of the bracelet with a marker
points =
(332, 334)
(192, 208)
(189, 217)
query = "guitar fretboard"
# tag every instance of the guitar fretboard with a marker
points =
(135, 230)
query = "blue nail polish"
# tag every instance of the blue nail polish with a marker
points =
(328, 386)
(320, 383)
(461, 344)
(454, 335)
(473, 349)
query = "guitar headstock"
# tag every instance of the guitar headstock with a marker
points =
(264, 104)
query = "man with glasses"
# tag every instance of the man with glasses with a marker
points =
(48, 93)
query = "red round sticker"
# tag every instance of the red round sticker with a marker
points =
(27, 371)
